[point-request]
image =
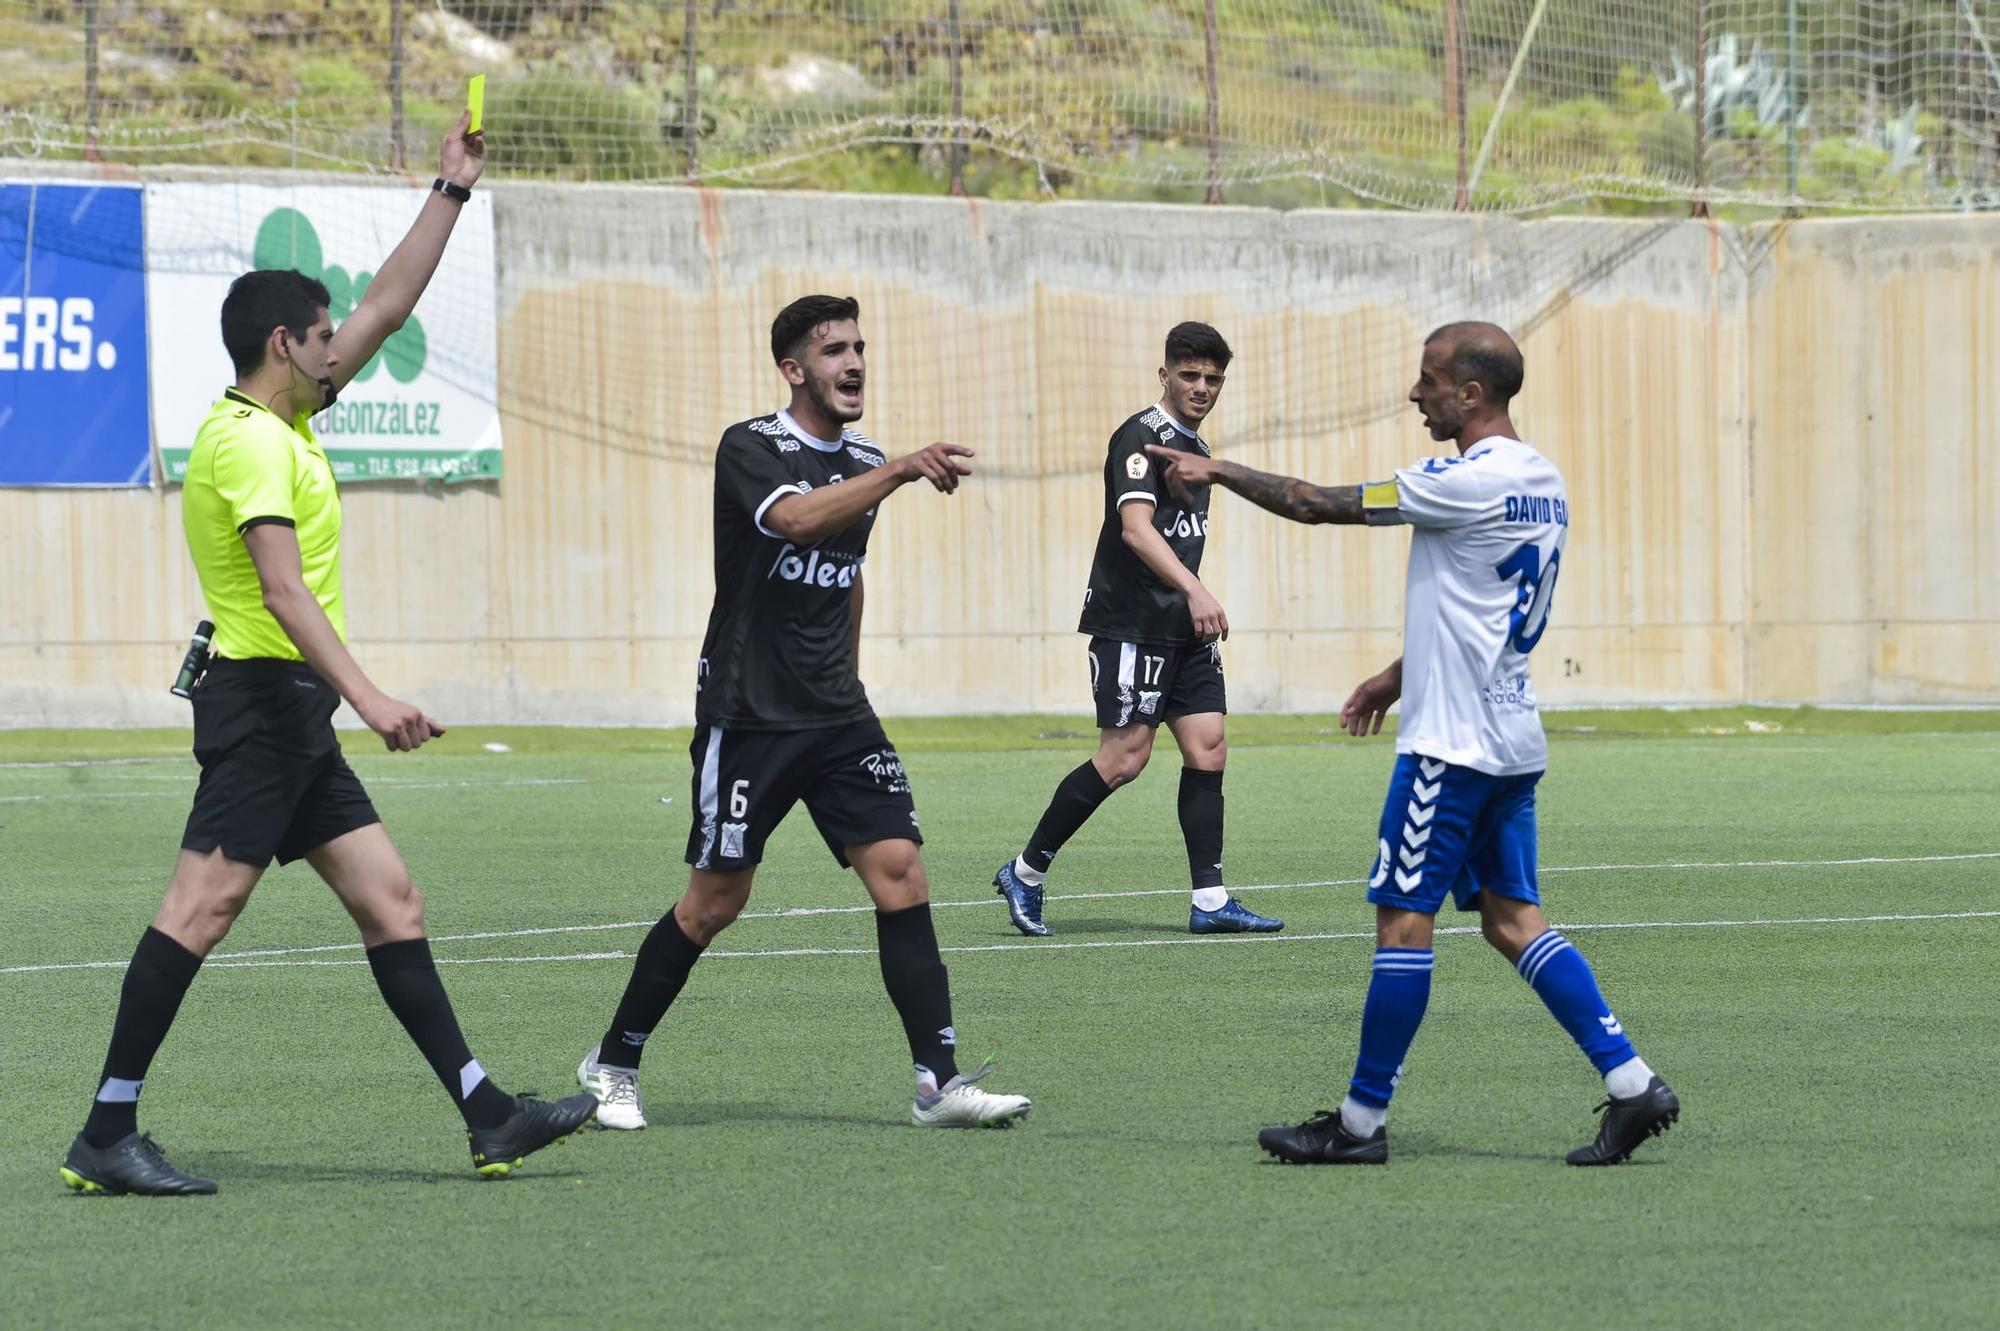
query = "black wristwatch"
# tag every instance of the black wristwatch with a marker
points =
(451, 191)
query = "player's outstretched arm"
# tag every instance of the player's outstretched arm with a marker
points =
(1371, 700)
(274, 549)
(393, 292)
(1287, 496)
(808, 519)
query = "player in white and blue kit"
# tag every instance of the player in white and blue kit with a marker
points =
(1489, 528)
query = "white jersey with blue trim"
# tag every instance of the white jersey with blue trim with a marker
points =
(1490, 527)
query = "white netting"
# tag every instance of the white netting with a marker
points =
(1818, 103)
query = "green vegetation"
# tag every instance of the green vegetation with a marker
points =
(1322, 101)
(1824, 1173)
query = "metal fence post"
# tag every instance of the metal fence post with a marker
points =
(1700, 208)
(395, 85)
(1792, 108)
(90, 78)
(1214, 112)
(1454, 90)
(957, 186)
(691, 101)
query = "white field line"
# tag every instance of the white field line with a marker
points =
(90, 795)
(391, 784)
(93, 762)
(1062, 947)
(249, 958)
(373, 784)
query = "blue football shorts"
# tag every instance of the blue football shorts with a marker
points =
(1452, 829)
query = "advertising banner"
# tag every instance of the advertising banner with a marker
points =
(425, 407)
(73, 405)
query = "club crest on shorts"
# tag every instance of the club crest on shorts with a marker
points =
(1149, 701)
(732, 840)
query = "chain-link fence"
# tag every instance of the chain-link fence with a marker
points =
(1486, 104)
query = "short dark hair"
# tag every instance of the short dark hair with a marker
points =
(1483, 353)
(260, 301)
(1193, 341)
(795, 323)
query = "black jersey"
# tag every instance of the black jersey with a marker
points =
(1127, 601)
(780, 647)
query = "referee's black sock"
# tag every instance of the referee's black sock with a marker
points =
(658, 973)
(155, 982)
(914, 975)
(1077, 797)
(1201, 825)
(409, 983)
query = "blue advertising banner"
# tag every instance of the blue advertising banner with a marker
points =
(74, 407)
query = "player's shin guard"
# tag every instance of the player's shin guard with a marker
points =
(914, 975)
(155, 983)
(408, 979)
(1201, 825)
(1397, 996)
(1077, 797)
(658, 973)
(1561, 977)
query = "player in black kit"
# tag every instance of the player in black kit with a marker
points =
(781, 717)
(1155, 648)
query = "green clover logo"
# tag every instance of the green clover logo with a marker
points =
(287, 240)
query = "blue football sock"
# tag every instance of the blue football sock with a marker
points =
(1397, 997)
(1559, 974)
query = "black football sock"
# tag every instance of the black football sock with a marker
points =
(155, 983)
(1077, 797)
(915, 977)
(410, 985)
(658, 973)
(1201, 825)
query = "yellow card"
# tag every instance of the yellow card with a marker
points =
(475, 101)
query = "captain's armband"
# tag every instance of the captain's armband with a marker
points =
(1381, 504)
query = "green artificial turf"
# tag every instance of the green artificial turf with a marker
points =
(1831, 1167)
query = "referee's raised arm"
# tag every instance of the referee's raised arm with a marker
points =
(401, 280)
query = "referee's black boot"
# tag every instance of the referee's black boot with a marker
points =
(1627, 1123)
(533, 1125)
(1324, 1140)
(132, 1164)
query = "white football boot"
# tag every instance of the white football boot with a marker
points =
(617, 1092)
(960, 1104)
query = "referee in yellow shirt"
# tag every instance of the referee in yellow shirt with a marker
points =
(262, 515)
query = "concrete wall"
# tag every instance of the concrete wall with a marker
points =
(1779, 446)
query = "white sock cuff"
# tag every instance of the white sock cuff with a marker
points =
(469, 1078)
(120, 1091)
(1029, 876)
(1628, 1079)
(1361, 1120)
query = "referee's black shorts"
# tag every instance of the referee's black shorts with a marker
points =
(273, 781)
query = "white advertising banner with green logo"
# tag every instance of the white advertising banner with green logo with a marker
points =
(427, 405)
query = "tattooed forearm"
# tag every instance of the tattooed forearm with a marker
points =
(1289, 497)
